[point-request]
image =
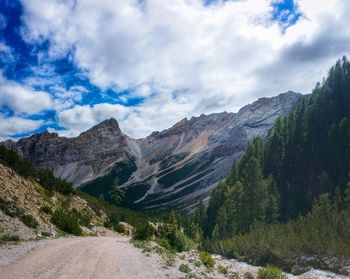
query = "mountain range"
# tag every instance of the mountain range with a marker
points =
(174, 168)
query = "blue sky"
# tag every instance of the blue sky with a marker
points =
(67, 65)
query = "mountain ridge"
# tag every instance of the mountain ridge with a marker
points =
(179, 165)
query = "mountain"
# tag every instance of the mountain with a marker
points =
(174, 168)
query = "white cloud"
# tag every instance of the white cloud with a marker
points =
(80, 118)
(22, 99)
(216, 58)
(155, 114)
(16, 125)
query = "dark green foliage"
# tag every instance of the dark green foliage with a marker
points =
(25, 169)
(102, 186)
(115, 214)
(310, 149)
(117, 194)
(66, 221)
(144, 231)
(119, 228)
(29, 221)
(46, 233)
(177, 230)
(83, 218)
(246, 198)
(321, 233)
(8, 237)
(216, 200)
(46, 209)
(180, 241)
(52, 183)
(306, 155)
(271, 273)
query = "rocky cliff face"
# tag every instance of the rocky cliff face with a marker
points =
(173, 168)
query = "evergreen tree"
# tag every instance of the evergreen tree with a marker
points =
(234, 208)
(308, 152)
(273, 201)
(117, 194)
(255, 193)
(216, 200)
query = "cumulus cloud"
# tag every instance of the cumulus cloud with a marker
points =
(155, 114)
(22, 99)
(16, 125)
(185, 58)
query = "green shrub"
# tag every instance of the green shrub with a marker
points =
(144, 231)
(84, 219)
(185, 268)
(46, 209)
(66, 221)
(45, 233)
(164, 230)
(8, 237)
(114, 213)
(164, 242)
(180, 242)
(207, 259)
(248, 275)
(107, 224)
(119, 228)
(10, 209)
(271, 273)
(29, 221)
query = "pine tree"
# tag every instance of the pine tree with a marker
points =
(220, 229)
(234, 208)
(255, 193)
(200, 215)
(216, 200)
(273, 201)
(117, 194)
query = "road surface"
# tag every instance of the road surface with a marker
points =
(81, 257)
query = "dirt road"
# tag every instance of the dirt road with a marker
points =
(91, 257)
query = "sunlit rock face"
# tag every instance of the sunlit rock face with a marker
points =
(174, 168)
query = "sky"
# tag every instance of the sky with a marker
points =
(66, 65)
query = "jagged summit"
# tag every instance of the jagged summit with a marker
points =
(108, 123)
(108, 126)
(171, 168)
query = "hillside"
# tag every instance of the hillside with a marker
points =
(177, 166)
(26, 209)
(287, 200)
(34, 204)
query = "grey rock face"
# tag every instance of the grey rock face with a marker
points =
(174, 168)
(90, 155)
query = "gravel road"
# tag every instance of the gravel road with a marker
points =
(88, 257)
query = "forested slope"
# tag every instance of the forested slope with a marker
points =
(289, 197)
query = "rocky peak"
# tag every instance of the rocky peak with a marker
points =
(181, 123)
(106, 127)
(283, 100)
